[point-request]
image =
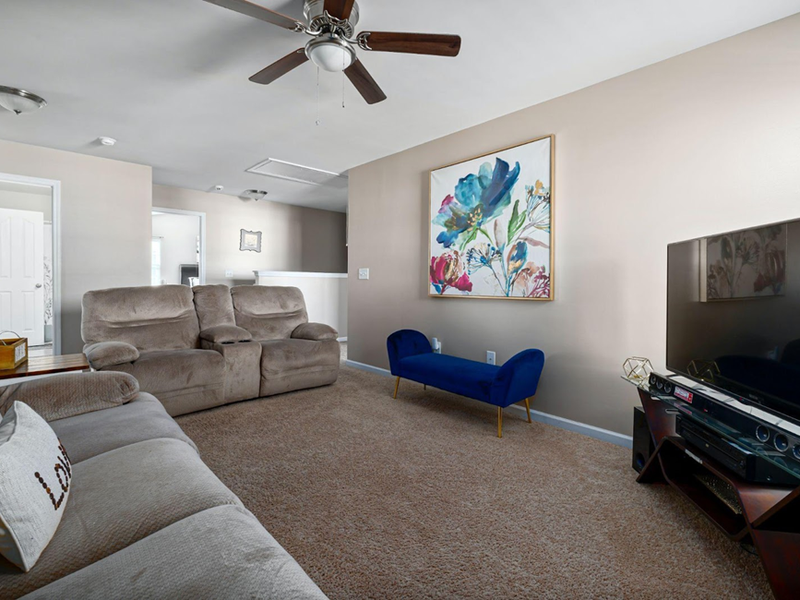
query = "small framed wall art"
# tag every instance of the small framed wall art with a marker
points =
(490, 228)
(250, 240)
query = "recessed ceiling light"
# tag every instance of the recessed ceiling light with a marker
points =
(20, 101)
(107, 141)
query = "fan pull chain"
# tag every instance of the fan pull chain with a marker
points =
(317, 122)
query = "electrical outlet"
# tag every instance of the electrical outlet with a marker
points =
(363, 273)
(229, 273)
(491, 357)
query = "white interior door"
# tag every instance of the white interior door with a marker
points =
(22, 274)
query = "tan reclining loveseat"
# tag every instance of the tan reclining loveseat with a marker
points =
(195, 348)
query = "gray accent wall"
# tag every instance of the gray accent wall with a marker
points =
(705, 142)
(293, 238)
(105, 222)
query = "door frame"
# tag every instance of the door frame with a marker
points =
(55, 199)
(191, 213)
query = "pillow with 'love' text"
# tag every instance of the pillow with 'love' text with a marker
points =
(35, 475)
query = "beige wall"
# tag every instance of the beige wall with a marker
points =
(105, 223)
(705, 142)
(293, 238)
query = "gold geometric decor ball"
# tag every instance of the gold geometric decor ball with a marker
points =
(637, 368)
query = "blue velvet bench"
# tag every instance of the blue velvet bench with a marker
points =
(411, 357)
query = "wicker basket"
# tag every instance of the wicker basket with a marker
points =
(13, 351)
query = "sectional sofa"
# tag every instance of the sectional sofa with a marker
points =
(196, 348)
(145, 517)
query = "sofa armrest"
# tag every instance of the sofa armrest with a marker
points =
(518, 378)
(108, 354)
(225, 334)
(314, 331)
(70, 394)
(404, 343)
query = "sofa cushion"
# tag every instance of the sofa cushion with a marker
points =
(222, 552)
(35, 475)
(150, 318)
(168, 370)
(284, 356)
(225, 334)
(97, 432)
(105, 354)
(69, 394)
(314, 331)
(268, 312)
(465, 377)
(214, 305)
(117, 499)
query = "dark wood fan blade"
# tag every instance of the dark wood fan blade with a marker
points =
(438, 44)
(359, 76)
(280, 67)
(339, 8)
(259, 12)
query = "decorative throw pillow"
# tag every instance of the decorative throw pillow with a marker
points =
(35, 475)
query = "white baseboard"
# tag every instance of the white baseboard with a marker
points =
(341, 339)
(366, 367)
(598, 433)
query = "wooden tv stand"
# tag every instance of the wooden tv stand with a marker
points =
(770, 515)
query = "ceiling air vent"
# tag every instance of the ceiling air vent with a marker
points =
(292, 172)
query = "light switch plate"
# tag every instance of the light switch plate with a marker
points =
(363, 273)
(229, 273)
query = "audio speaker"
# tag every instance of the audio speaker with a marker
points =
(643, 446)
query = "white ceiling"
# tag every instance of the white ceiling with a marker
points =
(168, 78)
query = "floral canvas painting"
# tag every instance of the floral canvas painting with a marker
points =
(745, 264)
(491, 225)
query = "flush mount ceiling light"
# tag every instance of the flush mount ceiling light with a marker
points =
(20, 101)
(254, 195)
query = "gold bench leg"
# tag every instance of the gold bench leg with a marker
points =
(528, 409)
(396, 385)
(499, 422)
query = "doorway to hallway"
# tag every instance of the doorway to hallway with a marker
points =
(178, 247)
(29, 262)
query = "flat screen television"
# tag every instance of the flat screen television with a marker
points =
(733, 313)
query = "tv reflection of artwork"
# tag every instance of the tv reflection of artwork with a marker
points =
(745, 264)
(747, 348)
(490, 225)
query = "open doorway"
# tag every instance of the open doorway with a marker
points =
(29, 262)
(178, 247)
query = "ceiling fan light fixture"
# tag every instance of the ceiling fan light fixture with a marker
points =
(20, 101)
(330, 53)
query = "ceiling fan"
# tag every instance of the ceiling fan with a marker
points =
(331, 23)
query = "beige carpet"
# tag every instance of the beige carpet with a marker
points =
(417, 498)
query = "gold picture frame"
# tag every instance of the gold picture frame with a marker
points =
(517, 262)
